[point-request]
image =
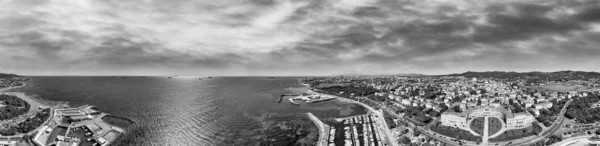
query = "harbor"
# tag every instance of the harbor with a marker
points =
(83, 126)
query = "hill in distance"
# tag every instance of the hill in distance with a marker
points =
(559, 74)
(385, 75)
(5, 75)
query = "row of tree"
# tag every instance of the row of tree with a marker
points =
(553, 139)
(28, 125)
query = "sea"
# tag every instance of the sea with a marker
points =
(184, 111)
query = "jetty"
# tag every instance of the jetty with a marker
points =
(323, 130)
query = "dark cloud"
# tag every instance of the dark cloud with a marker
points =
(263, 2)
(496, 8)
(38, 43)
(591, 14)
(369, 11)
(528, 23)
(123, 53)
(20, 22)
(535, 10)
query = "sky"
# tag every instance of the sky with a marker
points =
(296, 37)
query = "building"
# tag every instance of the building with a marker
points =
(543, 105)
(461, 120)
(528, 103)
(453, 119)
(519, 120)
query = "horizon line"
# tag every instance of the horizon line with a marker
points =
(390, 74)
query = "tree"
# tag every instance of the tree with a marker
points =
(416, 132)
(456, 109)
(542, 118)
(404, 140)
(547, 123)
(404, 131)
(444, 108)
(25, 137)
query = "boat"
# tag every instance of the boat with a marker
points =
(199, 78)
(170, 77)
(210, 77)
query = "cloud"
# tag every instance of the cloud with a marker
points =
(304, 37)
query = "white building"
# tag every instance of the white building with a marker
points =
(512, 120)
(453, 119)
(519, 120)
(543, 105)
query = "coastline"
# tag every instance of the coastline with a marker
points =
(35, 103)
(371, 110)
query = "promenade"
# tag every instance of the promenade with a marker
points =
(486, 128)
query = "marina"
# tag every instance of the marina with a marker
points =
(77, 126)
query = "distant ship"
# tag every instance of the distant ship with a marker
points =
(170, 77)
(210, 77)
(271, 77)
(199, 78)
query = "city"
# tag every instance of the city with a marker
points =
(475, 108)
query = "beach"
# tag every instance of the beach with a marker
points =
(32, 101)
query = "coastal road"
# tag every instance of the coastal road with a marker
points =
(571, 140)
